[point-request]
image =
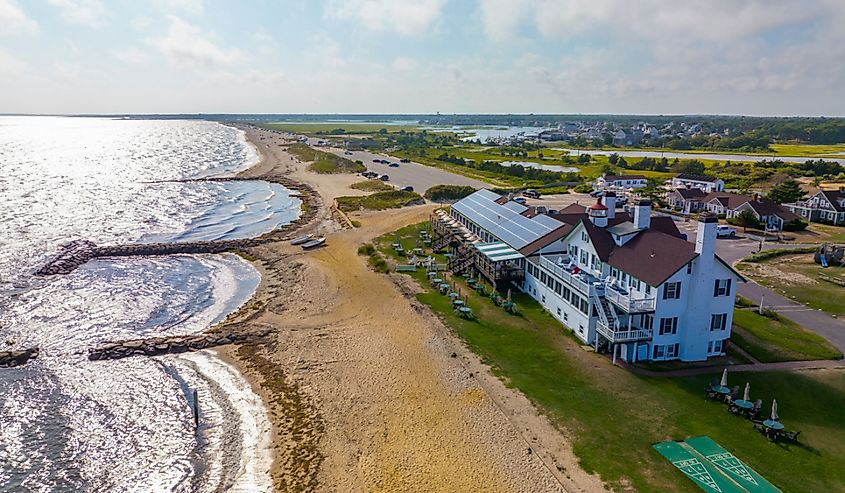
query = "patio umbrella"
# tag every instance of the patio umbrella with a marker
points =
(775, 416)
(509, 295)
(724, 382)
(747, 395)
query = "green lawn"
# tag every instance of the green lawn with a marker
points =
(613, 416)
(778, 339)
(325, 162)
(797, 277)
(371, 186)
(805, 150)
(393, 199)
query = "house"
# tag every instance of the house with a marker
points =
(627, 284)
(620, 138)
(686, 200)
(826, 206)
(721, 203)
(620, 182)
(704, 182)
(772, 215)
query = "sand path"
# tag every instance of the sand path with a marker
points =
(396, 411)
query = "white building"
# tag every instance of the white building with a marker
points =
(629, 284)
(620, 182)
(706, 183)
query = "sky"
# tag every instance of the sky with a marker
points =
(753, 57)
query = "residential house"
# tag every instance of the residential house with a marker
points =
(686, 200)
(722, 203)
(620, 182)
(704, 182)
(827, 206)
(620, 138)
(624, 283)
(772, 215)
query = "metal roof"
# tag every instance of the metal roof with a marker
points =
(505, 222)
(498, 251)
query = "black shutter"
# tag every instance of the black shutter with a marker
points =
(728, 292)
(716, 287)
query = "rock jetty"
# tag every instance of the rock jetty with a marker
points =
(170, 345)
(9, 359)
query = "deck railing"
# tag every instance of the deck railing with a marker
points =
(573, 280)
(622, 335)
(628, 304)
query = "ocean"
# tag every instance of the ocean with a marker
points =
(69, 424)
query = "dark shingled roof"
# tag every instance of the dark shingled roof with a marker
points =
(765, 207)
(690, 193)
(652, 256)
(834, 196)
(691, 177)
(729, 200)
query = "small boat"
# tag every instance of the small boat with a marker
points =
(313, 243)
(300, 240)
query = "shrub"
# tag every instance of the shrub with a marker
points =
(583, 188)
(448, 192)
(795, 225)
(366, 249)
(779, 252)
(393, 199)
(743, 302)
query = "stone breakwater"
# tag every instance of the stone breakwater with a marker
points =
(170, 345)
(9, 359)
(77, 253)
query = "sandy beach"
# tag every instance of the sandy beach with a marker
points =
(366, 389)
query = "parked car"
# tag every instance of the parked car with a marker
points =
(406, 160)
(531, 194)
(407, 189)
(394, 165)
(520, 200)
(723, 231)
(348, 153)
(384, 178)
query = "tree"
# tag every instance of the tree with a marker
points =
(689, 166)
(613, 158)
(584, 158)
(746, 219)
(608, 170)
(785, 192)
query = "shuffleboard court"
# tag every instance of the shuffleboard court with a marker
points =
(730, 465)
(702, 472)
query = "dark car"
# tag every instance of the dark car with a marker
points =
(394, 165)
(384, 178)
(520, 200)
(406, 160)
(531, 194)
(407, 189)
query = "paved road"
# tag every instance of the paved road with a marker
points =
(417, 175)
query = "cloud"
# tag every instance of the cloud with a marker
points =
(405, 17)
(189, 6)
(405, 64)
(186, 44)
(90, 13)
(13, 20)
(132, 55)
(11, 66)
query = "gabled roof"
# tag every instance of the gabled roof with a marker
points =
(545, 241)
(702, 178)
(690, 193)
(623, 177)
(764, 207)
(729, 200)
(652, 256)
(834, 196)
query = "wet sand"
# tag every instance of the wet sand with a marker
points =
(362, 389)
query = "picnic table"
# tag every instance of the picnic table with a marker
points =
(454, 295)
(444, 287)
(718, 392)
(418, 251)
(472, 282)
(773, 425)
(458, 302)
(436, 281)
(465, 311)
(432, 275)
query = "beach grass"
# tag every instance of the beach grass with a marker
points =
(371, 186)
(325, 162)
(393, 199)
(774, 338)
(613, 416)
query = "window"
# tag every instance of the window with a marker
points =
(583, 257)
(718, 321)
(689, 268)
(718, 346)
(647, 290)
(566, 316)
(543, 277)
(558, 311)
(672, 350)
(722, 287)
(557, 288)
(668, 325)
(544, 299)
(647, 321)
(584, 307)
(583, 236)
(672, 290)
(659, 351)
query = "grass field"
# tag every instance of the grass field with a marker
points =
(797, 277)
(325, 162)
(348, 128)
(778, 339)
(393, 199)
(796, 150)
(613, 416)
(371, 186)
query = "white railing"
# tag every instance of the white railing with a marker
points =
(628, 304)
(572, 279)
(622, 335)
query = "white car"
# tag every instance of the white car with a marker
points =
(723, 231)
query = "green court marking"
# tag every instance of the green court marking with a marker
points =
(699, 470)
(731, 465)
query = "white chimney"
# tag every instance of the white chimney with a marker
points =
(610, 203)
(705, 238)
(642, 214)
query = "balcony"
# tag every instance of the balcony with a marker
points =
(615, 336)
(583, 282)
(628, 304)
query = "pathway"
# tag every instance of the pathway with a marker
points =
(705, 370)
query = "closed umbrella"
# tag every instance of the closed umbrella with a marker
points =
(509, 295)
(724, 382)
(747, 395)
(775, 416)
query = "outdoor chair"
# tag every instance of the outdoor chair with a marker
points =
(791, 436)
